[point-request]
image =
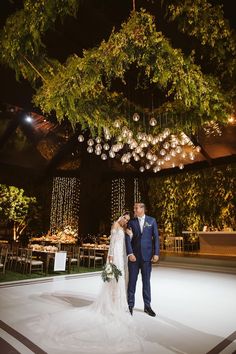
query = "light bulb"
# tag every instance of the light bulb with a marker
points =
(153, 122)
(136, 117)
(104, 156)
(80, 138)
(90, 142)
(90, 149)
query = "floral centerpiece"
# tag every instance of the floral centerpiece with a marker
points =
(68, 235)
(110, 271)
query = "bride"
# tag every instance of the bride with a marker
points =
(103, 326)
(113, 295)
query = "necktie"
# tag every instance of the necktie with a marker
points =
(141, 222)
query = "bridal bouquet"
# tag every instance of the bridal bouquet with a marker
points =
(110, 271)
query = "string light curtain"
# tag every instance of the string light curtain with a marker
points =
(65, 203)
(117, 198)
(137, 194)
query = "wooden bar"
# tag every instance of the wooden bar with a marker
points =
(217, 242)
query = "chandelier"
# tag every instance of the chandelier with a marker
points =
(149, 151)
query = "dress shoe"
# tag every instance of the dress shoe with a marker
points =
(131, 310)
(149, 311)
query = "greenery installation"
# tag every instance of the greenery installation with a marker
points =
(194, 199)
(17, 209)
(82, 90)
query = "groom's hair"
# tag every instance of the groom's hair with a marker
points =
(142, 205)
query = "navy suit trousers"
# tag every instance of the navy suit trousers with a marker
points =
(134, 267)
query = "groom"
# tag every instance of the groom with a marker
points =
(142, 249)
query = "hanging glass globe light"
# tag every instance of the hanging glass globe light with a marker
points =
(178, 149)
(136, 117)
(116, 123)
(90, 142)
(98, 147)
(198, 148)
(149, 155)
(139, 136)
(166, 145)
(98, 140)
(98, 152)
(112, 154)
(147, 166)
(142, 154)
(173, 153)
(136, 158)
(181, 166)
(106, 146)
(104, 156)
(90, 149)
(153, 122)
(154, 158)
(141, 169)
(163, 152)
(166, 132)
(191, 156)
(167, 157)
(80, 138)
(184, 155)
(173, 165)
(156, 169)
(149, 138)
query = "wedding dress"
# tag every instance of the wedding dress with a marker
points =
(105, 326)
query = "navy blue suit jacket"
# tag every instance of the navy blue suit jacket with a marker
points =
(146, 243)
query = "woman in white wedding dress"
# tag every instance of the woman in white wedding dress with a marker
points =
(106, 325)
(113, 296)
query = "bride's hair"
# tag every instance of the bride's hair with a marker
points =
(122, 215)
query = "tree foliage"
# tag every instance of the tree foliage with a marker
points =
(189, 201)
(82, 89)
(17, 208)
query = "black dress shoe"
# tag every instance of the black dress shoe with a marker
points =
(131, 310)
(149, 311)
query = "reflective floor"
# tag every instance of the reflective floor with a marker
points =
(196, 310)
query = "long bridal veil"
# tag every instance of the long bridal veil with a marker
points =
(105, 326)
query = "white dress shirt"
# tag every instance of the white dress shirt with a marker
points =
(141, 222)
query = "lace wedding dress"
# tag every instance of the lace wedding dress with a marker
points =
(105, 326)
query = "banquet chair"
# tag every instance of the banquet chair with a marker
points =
(3, 259)
(73, 257)
(95, 257)
(31, 264)
(83, 256)
(13, 256)
(178, 244)
(21, 259)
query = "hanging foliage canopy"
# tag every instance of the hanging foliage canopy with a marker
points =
(83, 90)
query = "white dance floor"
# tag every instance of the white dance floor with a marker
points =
(196, 310)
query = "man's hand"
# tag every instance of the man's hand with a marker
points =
(132, 258)
(155, 258)
(110, 259)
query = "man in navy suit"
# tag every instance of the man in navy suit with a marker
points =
(142, 248)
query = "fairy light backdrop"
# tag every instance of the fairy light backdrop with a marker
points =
(117, 198)
(65, 203)
(120, 196)
(137, 194)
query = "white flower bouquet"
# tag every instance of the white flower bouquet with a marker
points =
(110, 271)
